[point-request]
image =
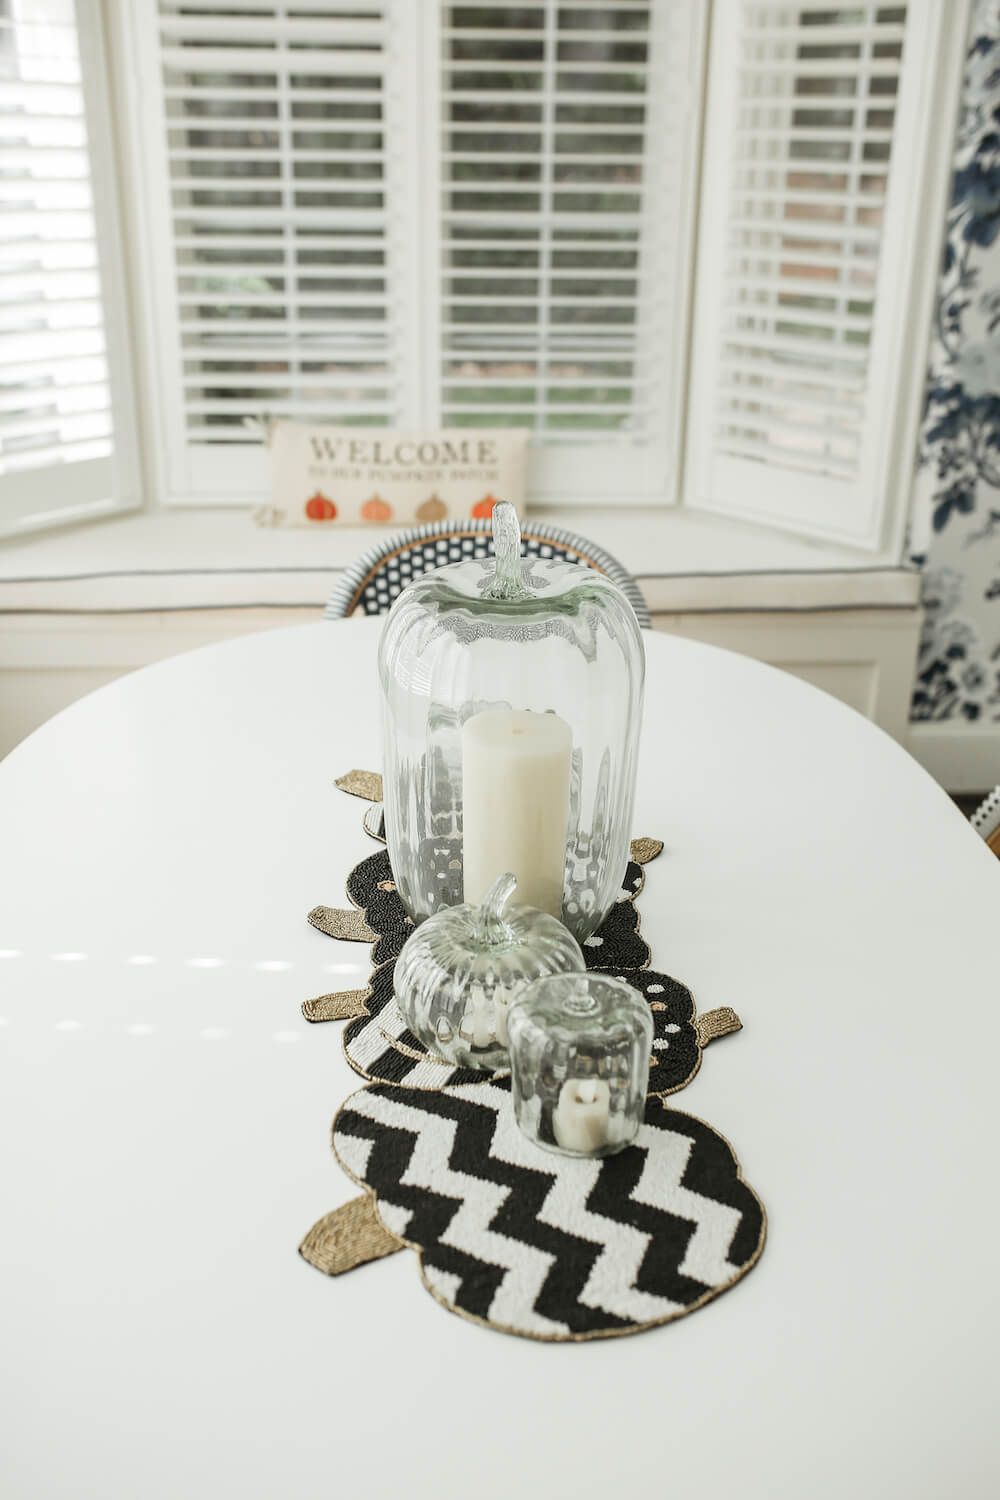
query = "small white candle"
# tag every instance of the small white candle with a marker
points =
(515, 796)
(477, 1023)
(501, 1000)
(580, 1118)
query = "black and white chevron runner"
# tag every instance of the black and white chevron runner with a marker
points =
(552, 1247)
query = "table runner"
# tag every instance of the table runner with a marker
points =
(378, 1044)
(508, 1234)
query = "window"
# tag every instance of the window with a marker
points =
(681, 242)
(561, 234)
(424, 215)
(65, 439)
(812, 243)
(282, 213)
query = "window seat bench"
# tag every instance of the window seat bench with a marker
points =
(80, 607)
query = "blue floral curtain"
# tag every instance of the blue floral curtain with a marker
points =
(955, 534)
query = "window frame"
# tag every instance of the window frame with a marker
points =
(134, 28)
(562, 475)
(930, 93)
(414, 157)
(101, 486)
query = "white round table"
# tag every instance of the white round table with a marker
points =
(165, 1113)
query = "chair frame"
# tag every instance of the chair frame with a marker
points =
(347, 591)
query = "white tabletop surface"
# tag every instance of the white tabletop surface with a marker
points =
(165, 1113)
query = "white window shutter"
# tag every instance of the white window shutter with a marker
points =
(565, 142)
(274, 166)
(413, 213)
(66, 422)
(828, 147)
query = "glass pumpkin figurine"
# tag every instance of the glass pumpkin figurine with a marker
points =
(512, 700)
(462, 969)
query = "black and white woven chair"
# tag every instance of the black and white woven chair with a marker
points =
(986, 820)
(370, 585)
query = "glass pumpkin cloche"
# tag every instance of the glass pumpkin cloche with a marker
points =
(579, 1059)
(462, 969)
(512, 700)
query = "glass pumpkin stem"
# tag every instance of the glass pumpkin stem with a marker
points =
(507, 581)
(491, 928)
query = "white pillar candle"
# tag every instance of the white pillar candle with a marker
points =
(580, 1118)
(515, 801)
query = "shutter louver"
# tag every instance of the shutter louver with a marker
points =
(285, 278)
(566, 180)
(56, 438)
(804, 265)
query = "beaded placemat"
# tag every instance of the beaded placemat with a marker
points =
(509, 1234)
(379, 1046)
(545, 1246)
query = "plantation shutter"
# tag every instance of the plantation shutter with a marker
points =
(810, 245)
(405, 213)
(566, 152)
(64, 448)
(283, 247)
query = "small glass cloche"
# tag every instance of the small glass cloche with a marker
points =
(460, 971)
(579, 1061)
(512, 698)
